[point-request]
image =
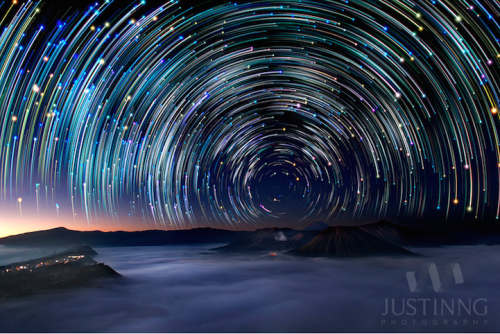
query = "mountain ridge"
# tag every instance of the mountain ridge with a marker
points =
(61, 237)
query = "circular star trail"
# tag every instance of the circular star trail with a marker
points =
(253, 112)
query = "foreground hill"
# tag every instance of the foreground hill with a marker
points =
(347, 241)
(270, 239)
(73, 268)
(62, 237)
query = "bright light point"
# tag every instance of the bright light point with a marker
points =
(14, 118)
(458, 19)
(469, 208)
(36, 89)
(494, 111)
(297, 179)
(398, 95)
(102, 61)
(455, 201)
(45, 58)
(401, 60)
(19, 199)
(466, 166)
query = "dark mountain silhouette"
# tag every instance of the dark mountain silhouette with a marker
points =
(316, 226)
(347, 241)
(62, 237)
(407, 236)
(270, 239)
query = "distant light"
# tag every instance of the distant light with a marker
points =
(19, 199)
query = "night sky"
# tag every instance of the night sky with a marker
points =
(150, 115)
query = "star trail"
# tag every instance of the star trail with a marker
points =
(251, 113)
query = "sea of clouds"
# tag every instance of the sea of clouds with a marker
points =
(191, 289)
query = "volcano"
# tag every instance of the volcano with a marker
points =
(316, 226)
(270, 239)
(347, 241)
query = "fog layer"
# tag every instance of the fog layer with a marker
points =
(190, 289)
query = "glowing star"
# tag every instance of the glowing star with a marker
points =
(36, 89)
(455, 201)
(20, 200)
(494, 111)
(398, 95)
